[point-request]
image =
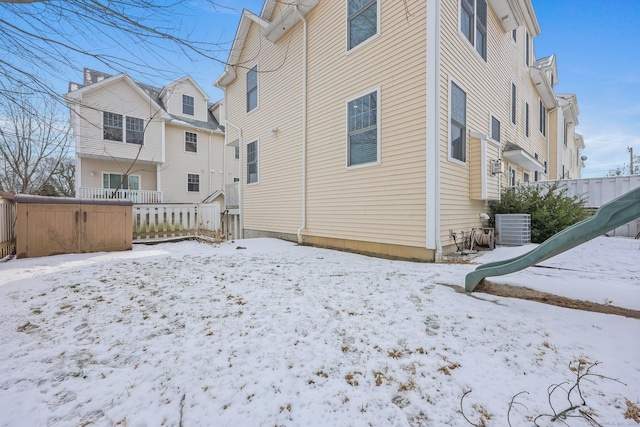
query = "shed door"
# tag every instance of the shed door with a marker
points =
(51, 229)
(103, 232)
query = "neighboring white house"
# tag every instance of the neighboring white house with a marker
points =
(167, 142)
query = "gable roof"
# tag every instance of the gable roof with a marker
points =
(273, 29)
(94, 80)
(185, 79)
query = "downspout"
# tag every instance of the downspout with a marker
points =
(433, 129)
(228, 123)
(210, 165)
(304, 124)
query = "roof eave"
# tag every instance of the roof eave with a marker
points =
(286, 20)
(543, 86)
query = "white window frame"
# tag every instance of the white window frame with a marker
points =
(514, 35)
(378, 129)
(126, 125)
(513, 110)
(366, 41)
(527, 48)
(121, 174)
(491, 118)
(512, 176)
(474, 18)
(186, 97)
(466, 125)
(527, 117)
(542, 112)
(257, 162)
(191, 142)
(122, 126)
(199, 182)
(257, 88)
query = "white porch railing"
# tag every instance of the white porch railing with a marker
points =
(8, 214)
(157, 222)
(136, 196)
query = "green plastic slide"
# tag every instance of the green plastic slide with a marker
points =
(611, 215)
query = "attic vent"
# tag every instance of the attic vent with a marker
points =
(513, 229)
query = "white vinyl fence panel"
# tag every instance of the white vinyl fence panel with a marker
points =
(157, 222)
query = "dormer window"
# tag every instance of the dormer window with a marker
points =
(187, 105)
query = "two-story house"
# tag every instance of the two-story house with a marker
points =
(167, 142)
(382, 126)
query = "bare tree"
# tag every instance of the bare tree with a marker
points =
(57, 37)
(34, 139)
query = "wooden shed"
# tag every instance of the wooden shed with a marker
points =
(59, 225)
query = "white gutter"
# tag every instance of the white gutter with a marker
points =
(228, 123)
(433, 129)
(304, 124)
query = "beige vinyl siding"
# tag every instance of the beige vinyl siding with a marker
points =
(180, 162)
(274, 203)
(555, 142)
(488, 88)
(376, 203)
(173, 100)
(146, 172)
(120, 98)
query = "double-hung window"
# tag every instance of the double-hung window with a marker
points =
(495, 129)
(191, 142)
(527, 48)
(252, 162)
(187, 104)
(362, 144)
(526, 119)
(111, 126)
(473, 24)
(135, 130)
(252, 88)
(513, 103)
(193, 182)
(543, 118)
(458, 125)
(362, 21)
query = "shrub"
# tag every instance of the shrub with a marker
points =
(551, 209)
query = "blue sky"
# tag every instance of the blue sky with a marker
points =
(597, 44)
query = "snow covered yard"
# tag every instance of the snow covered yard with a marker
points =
(276, 334)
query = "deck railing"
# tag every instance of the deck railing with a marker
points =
(136, 196)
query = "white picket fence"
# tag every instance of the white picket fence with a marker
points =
(167, 221)
(8, 214)
(598, 191)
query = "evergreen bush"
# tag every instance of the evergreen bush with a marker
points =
(551, 209)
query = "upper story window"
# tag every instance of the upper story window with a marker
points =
(191, 142)
(252, 162)
(236, 153)
(362, 21)
(514, 34)
(112, 126)
(543, 119)
(458, 122)
(187, 104)
(252, 88)
(527, 48)
(473, 24)
(193, 182)
(513, 103)
(118, 181)
(135, 130)
(526, 119)
(362, 144)
(566, 132)
(495, 129)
